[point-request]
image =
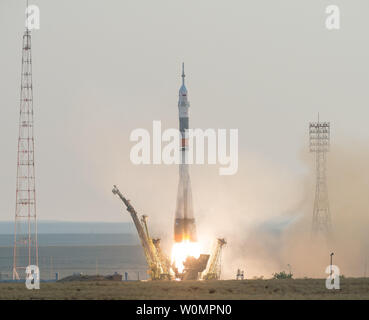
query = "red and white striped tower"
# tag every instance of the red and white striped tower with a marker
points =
(25, 229)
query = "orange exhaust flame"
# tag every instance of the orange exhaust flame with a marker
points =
(182, 250)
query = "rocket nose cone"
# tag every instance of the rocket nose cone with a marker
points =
(183, 91)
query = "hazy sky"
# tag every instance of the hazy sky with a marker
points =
(104, 68)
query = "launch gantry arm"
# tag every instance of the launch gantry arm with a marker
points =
(150, 254)
(212, 272)
(164, 260)
(157, 270)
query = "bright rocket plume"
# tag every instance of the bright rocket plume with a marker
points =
(182, 250)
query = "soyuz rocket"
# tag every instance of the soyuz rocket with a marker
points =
(184, 225)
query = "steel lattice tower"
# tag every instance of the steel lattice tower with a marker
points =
(319, 134)
(25, 230)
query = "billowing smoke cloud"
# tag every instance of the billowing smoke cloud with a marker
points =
(266, 217)
(251, 210)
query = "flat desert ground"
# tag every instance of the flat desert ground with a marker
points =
(350, 288)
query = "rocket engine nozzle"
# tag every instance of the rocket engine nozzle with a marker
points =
(185, 230)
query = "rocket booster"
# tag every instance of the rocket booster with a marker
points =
(184, 225)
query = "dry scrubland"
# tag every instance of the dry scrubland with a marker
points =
(351, 288)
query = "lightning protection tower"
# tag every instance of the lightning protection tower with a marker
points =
(25, 230)
(319, 134)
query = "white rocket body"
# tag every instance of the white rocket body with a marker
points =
(184, 225)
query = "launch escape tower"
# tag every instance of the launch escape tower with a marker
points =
(184, 225)
(25, 230)
(319, 134)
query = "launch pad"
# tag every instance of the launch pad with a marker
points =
(160, 267)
